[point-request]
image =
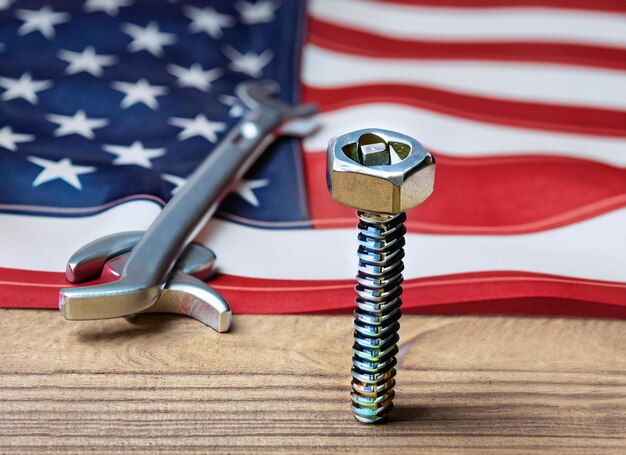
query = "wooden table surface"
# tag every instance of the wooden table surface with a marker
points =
(280, 384)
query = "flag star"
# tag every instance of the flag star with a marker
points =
(177, 181)
(236, 109)
(63, 169)
(195, 76)
(9, 139)
(24, 87)
(87, 61)
(110, 7)
(208, 20)
(149, 38)
(42, 20)
(140, 92)
(245, 190)
(76, 124)
(134, 154)
(257, 13)
(249, 63)
(4, 4)
(198, 126)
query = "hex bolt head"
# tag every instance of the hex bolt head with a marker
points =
(379, 171)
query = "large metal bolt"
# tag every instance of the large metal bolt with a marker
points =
(382, 174)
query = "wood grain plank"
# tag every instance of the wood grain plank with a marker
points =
(279, 384)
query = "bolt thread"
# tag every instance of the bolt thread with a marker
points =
(381, 242)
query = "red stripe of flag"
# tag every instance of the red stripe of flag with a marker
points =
(500, 292)
(357, 42)
(499, 195)
(612, 6)
(541, 116)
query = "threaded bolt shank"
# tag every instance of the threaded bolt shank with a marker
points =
(380, 252)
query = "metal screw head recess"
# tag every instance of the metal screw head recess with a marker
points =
(379, 171)
(381, 174)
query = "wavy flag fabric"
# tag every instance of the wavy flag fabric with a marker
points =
(108, 105)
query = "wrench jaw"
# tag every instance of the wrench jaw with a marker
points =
(197, 261)
(183, 294)
(300, 127)
(87, 262)
(191, 297)
(297, 121)
(186, 294)
(122, 298)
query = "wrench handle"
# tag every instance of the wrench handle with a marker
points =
(152, 260)
(195, 203)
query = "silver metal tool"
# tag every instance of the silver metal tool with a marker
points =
(382, 174)
(149, 267)
(185, 294)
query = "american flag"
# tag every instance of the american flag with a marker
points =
(108, 105)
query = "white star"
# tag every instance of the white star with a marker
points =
(236, 109)
(245, 190)
(87, 61)
(140, 92)
(257, 13)
(42, 20)
(207, 20)
(4, 4)
(149, 38)
(24, 87)
(198, 126)
(194, 76)
(111, 7)
(249, 63)
(76, 124)
(135, 154)
(63, 169)
(9, 139)
(175, 180)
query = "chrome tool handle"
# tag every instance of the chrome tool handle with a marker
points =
(152, 260)
(195, 203)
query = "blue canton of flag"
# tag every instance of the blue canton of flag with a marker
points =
(105, 100)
